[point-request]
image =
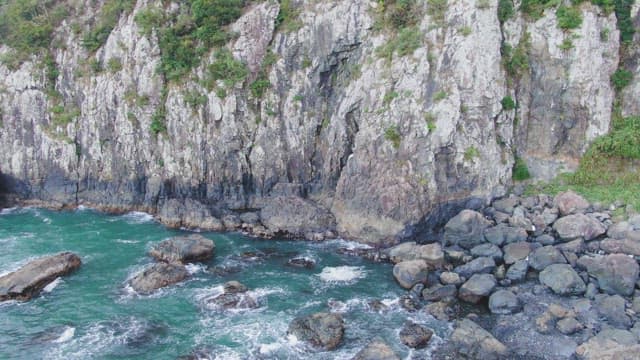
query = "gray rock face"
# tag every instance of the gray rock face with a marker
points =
(504, 302)
(545, 256)
(474, 342)
(616, 273)
(562, 279)
(324, 330)
(411, 272)
(415, 336)
(477, 287)
(376, 350)
(296, 216)
(481, 265)
(30, 279)
(184, 249)
(578, 226)
(158, 276)
(466, 229)
(570, 203)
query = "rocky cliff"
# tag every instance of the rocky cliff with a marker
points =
(338, 124)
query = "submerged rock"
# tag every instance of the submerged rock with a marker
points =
(323, 330)
(302, 262)
(376, 350)
(30, 279)
(158, 276)
(184, 249)
(415, 336)
(234, 296)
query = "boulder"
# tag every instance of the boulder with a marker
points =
(624, 246)
(562, 279)
(569, 326)
(323, 330)
(570, 203)
(157, 276)
(504, 234)
(516, 251)
(518, 271)
(578, 226)
(431, 253)
(504, 302)
(450, 278)
(438, 292)
(234, 296)
(610, 344)
(302, 262)
(616, 273)
(619, 230)
(411, 272)
(545, 256)
(481, 265)
(31, 278)
(466, 229)
(487, 250)
(612, 308)
(184, 249)
(477, 287)
(506, 205)
(474, 342)
(295, 216)
(444, 310)
(415, 336)
(377, 349)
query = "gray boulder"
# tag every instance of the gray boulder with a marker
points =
(562, 279)
(506, 205)
(569, 325)
(610, 344)
(477, 287)
(481, 265)
(411, 272)
(323, 330)
(377, 349)
(570, 203)
(295, 216)
(157, 276)
(578, 226)
(438, 292)
(487, 250)
(474, 342)
(545, 256)
(616, 273)
(516, 251)
(30, 279)
(612, 308)
(415, 336)
(184, 249)
(518, 271)
(466, 229)
(431, 253)
(504, 234)
(623, 246)
(504, 302)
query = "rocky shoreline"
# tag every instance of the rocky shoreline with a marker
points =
(527, 277)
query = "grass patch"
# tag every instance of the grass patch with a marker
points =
(568, 17)
(439, 96)
(114, 65)
(106, 21)
(505, 10)
(288, 19)
(508, 103)
(392, 134)
(534, 9)
(566, 44)
(226, 68)
(403, 43)
(621, 78)
(471, 153)
(437, 9)
(516, 61)
(520, 170)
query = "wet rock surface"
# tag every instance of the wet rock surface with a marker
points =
(31, 278)
(184, 249)
(324, 330)
(158, 276)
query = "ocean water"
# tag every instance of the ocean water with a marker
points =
(92, 314)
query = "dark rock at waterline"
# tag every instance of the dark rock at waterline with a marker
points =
(616, 273)
(234, 296)
(324, 330)
(184, 249)
(438, 292)
(302, 262)
(415, 336)
(158, 276)
(30, 279)
(466, 229)
(411, 272)
(474, 342)
(444, 310)
(377, 349)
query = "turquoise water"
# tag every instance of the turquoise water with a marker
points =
(92, 314)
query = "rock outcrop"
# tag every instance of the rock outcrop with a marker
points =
(29, 280)
(184, 249)
(323, 330)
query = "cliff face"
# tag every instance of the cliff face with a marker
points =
(343, 139)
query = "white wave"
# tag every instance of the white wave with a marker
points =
(82, 208)
(137, 217)
(346, 244)
(66, 335)
(342, 273)
(10, 210)
(123, 241)
(52, 285)
(195, 268)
